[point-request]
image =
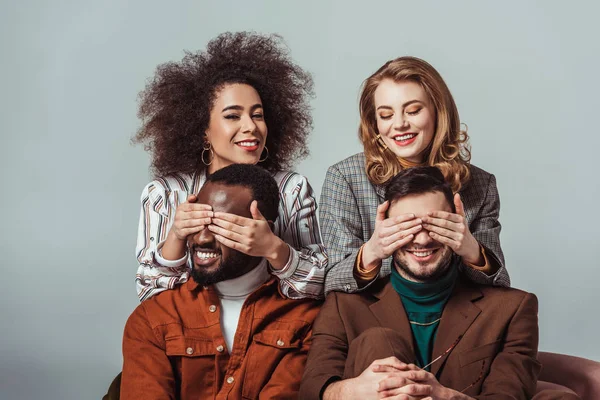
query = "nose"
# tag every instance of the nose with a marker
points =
(248, 124)
(400, 123)
(422, 238)
(204, 237)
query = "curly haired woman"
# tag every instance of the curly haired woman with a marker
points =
(407, 118)
(241, 101)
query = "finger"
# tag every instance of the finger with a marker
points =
(408, 388)
(392, 225)
(450, 234)
(230, 226)
(235, 219)
(458, 204)
(381, 210)
(196, 214)
(443, 223)
(417, 376)
(256, 214)
(387, 368)
(190, 231)
(391, 240)
(444, 240)
(392, 382)
(195, 207)
(231, 244)
(231, 235)
(192, 198)
(398, 244)
(192, 223)
(448, 216)
(390, 361)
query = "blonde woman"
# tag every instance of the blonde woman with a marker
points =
(407, 118)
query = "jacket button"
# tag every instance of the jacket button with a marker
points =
(347, 287)
(212, 308)
(189, 350)
(280, 343)
(220, 348)
(230, 379)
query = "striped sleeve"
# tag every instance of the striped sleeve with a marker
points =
(159, 200)
(297, 225)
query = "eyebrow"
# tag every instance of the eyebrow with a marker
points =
(240, 108)
(408, 103)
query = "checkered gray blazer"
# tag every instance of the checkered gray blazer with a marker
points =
(348, 208)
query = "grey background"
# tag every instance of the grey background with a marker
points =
(524, 75)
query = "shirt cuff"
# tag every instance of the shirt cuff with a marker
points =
(361, 272)
(486, 268)
(168, 263)
(290, 266)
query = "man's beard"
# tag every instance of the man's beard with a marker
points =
(227, 269)
(441, 266)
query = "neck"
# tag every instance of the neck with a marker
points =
(243, 285)
(410, 162)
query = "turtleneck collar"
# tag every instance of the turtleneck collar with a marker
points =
(426, 293)
(243, 285)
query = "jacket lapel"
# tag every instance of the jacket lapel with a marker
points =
(457, 317)
(390, 313)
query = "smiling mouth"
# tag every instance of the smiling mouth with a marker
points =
(205, 257)
(422, 254)
(405, 139)
(248, 145)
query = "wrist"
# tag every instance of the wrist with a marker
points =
(369, 260)
(173, 248)
(279, 253)
(475, 255)
(338, 390)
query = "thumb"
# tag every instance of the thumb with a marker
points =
(255, 211)
(460, 208)
(192, 198)
(381, 210)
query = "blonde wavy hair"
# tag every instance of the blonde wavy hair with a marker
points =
(449, 149)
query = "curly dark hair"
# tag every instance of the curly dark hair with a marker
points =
(176, 103)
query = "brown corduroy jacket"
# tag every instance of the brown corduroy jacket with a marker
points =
(173, 346)
(497, 353)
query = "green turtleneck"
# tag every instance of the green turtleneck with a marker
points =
(424, 304)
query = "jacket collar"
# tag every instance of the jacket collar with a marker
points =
(458, 315)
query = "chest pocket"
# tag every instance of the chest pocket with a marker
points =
(265, 354)
(480, 353)
(193, 362)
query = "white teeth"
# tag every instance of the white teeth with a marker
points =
(204, 255)
(248, 144)
(405, 137)
(423, 253)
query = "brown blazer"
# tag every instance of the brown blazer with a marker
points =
(499, 328)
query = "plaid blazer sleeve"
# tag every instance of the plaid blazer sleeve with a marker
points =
(482, 208)
(346, 211)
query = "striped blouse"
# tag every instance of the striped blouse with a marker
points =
(297, 225)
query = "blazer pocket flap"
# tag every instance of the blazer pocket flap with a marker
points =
(189, 347)
(479, 353)
(278, 339)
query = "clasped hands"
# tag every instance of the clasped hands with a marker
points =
(391, 379)
(447, 228)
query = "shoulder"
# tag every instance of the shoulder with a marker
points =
(288, 180)
(506, 299)
(163, 308)
(480, 186)
(351, 302)
(350, 165)
(167, 184)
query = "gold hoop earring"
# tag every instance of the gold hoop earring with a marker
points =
(380, 142)
(207, 147)
(267, 156)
